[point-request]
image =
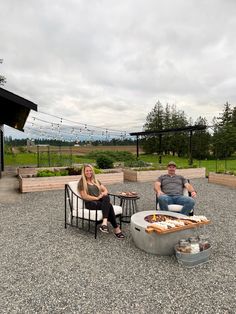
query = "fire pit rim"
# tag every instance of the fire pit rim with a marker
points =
(140, 216)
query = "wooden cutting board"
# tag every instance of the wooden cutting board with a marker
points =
(191, 224)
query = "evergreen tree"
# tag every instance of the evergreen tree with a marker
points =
(2, 78)
(233, 117)
(224, 133)
(154, 122)
(226, 117)
(167, 125)
(201, 140)
(166, 118)
(179, 140)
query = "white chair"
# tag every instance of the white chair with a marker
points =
(175, 207)
(76, 215)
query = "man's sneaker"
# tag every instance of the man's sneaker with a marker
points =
(104, 229)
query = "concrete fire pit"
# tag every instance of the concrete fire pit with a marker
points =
(160, 244)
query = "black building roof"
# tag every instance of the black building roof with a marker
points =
(14, 109)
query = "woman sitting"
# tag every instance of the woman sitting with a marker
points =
(96, 196)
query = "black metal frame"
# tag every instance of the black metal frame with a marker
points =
(189, 129)
(69, 200)
(189, 194)
(129, 206)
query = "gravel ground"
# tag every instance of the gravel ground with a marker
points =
(48, 269)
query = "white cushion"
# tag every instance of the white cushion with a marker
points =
(117, 210)
(175, 207)
(77, 204)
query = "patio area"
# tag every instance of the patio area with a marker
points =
(48, 269)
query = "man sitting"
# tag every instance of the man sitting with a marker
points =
(169, 188)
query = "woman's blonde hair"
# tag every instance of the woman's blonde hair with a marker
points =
(83, 182)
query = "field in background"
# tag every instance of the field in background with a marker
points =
(83, 150)
(64, 155)
(77, 155)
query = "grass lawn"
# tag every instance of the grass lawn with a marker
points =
(30, 159)
(210, 165)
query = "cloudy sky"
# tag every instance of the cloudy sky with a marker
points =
(107, 62)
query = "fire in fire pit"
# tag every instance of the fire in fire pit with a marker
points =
(157, 218)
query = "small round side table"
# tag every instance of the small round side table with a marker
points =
(129, 206)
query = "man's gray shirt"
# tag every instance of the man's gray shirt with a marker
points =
(172, 185)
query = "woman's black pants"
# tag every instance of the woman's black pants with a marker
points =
(106, 207)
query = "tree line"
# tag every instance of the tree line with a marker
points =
(23, 142)
(217, 140)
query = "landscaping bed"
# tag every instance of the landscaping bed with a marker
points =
(222, 178)
(31, 183)
(152, 175)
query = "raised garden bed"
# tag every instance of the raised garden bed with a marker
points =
(222, 179)
(32, 171)
(152, 175)
(27, 183)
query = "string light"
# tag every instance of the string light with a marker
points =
(38, 126)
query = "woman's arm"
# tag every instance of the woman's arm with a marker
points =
(103, 190)
(85, 196)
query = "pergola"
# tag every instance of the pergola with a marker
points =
(14, 112)
(159, 133)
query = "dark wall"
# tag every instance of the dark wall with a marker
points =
(1, 151)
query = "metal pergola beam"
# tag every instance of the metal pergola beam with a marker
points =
(156, 132)
(189, 129)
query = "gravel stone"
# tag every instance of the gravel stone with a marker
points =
(46, 268)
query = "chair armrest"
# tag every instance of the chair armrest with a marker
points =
(114, 197)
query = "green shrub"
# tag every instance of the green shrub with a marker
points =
(104, 162)
(136, 163)
(124, 156)
(8, 149)
(73, 171)
(45, 173)
(220, 171)
(63, 173)
(22, 149)
(97, 171)
(186, 166)
(51, 173)
(114, 155)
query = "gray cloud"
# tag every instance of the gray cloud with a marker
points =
(107, 62)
